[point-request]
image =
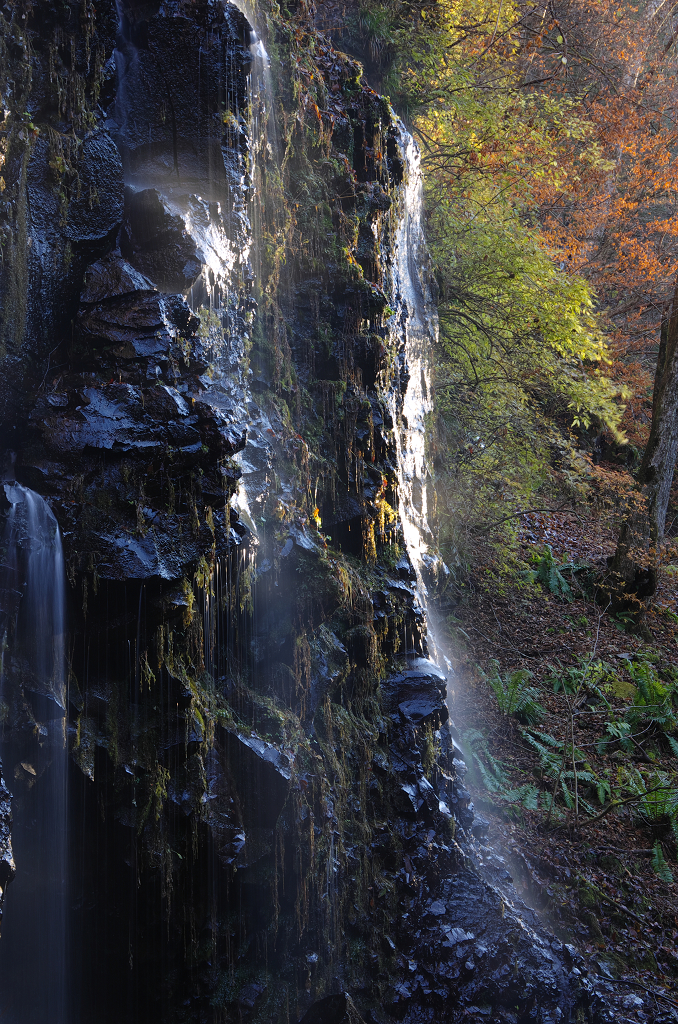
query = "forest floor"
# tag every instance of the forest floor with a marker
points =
(568, 717)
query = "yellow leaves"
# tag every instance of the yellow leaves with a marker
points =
(506, 169)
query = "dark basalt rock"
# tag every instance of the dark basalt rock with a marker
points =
(238, 788)
(7, 866)
(54, 234)
(111, 278)
(418, 694)
(262, 775)
(175, 75)
(95, 210)
(155, 240)
(333, 1010)
(122, 557)
(482, 954)
(118, 419)
(136, 326)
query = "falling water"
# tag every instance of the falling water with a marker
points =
(126, 60)
(33, 988)
(227, 389)
(264, 139)
(262, 93)
(415, 327)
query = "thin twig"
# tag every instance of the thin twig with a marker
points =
(621, 803)
(615, 903)
(49, 357)
(513, 650)
(574, 768)
(651, 991)
(530, 511)
(618, 849)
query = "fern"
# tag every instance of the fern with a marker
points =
(592, 675)
(659, 864)
(616, 732)
(567, 796)
(549, 750)
(554, 766)
(515, 696)
(549, 572)
(658, 798)
(485, 770)
(603, 791)
(527, 796)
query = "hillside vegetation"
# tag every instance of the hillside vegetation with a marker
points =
(548, 135)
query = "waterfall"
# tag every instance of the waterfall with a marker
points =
(33, 955)
(415, 328)
(265, 143)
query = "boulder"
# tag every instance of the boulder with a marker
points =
(112, 277)
(155, 556)
(417, 695)
(136, 326)
(95, 210)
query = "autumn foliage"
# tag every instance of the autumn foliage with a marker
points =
(615, 223)
(549, 138)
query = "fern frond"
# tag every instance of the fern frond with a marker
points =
(659, 864)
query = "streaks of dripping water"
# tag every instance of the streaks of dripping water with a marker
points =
(33, 956)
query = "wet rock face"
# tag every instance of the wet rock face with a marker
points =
(7, 866)
(156, 240)
(95, 211)
(60, 236)
(417, 695)
(181, 94)
(126, 409)
(63, 186)
(135, 327)
(132, 431)
(111, 422)
(260, 747)
(339, 1009)
(470, 948)
(111, 278)
(179, 117)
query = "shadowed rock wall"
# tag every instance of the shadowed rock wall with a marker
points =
(265, 793)
(7, 868)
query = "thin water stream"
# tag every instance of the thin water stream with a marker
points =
(415, 328)
(33, 952)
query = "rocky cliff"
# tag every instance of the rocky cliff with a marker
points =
(204, 363)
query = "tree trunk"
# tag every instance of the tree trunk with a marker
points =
(636, 560)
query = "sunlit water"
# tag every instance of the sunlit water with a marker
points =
(414, 327)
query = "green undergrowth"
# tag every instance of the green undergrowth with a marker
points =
(597, 738)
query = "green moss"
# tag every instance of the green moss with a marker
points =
(15, 262)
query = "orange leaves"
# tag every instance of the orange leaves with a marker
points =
(607, 199)
(638, 379)
(615, 219)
